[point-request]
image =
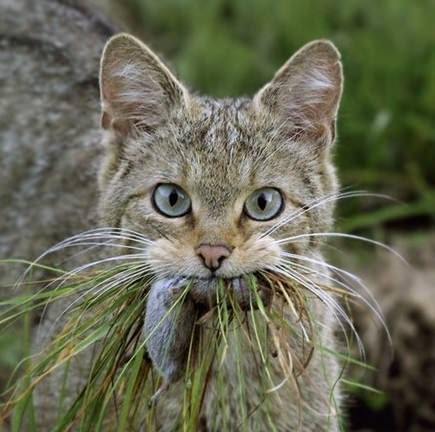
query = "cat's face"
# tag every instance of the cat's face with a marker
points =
(216, 183)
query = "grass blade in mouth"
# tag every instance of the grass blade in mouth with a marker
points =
(107, 323)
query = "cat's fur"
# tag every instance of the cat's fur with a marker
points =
(220, 151)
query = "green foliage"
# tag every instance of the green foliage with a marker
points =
(105, 321)
(386, 128)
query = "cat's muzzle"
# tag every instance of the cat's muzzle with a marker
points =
(204, 292)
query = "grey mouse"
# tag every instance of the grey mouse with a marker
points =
(168, 329)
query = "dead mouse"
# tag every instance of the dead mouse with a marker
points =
(168, 328)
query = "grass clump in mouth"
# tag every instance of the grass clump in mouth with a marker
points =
(104, 323)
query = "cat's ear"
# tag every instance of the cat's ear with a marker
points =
(304, 95)
(138, 92)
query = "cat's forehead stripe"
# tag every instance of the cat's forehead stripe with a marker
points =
(227, 125)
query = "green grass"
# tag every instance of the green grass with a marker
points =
(122, 381)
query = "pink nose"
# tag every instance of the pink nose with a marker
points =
(213, 255)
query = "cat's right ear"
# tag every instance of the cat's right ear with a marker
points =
(138, 92)
(305, 93)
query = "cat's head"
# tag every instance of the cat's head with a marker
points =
(216, 183)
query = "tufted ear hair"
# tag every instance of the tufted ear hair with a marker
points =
(304, 95)
(137, 90)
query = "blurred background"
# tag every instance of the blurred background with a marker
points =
(386, 145)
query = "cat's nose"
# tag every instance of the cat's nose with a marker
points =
(213, 255)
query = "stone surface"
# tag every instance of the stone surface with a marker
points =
(49, 132)
(49, 115)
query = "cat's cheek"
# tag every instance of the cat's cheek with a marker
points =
(166, 257)
(254, 255)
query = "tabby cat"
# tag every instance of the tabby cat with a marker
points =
(224, 188)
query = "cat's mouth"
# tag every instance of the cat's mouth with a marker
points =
(243, 290)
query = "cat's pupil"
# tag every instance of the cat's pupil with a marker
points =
(173, 197)
(262, 202)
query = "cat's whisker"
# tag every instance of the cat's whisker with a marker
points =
(124, 277)
(61, 281)
(310, 271)
(66, 276)
(97, 239)
(333, 305)
(135, 273)
(121, 282)
(347, 236)
(121, 277)
(323, 297)
(96, 244)
(338, 270)
(335, 269)
(289, 302)
(319, 202)
(115, 233)
(374, 307)
(324, 245)
(298, 212)
(97, 233)
(108, 242)
(129, 257)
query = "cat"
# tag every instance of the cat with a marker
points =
(203, 177)
(217, 186)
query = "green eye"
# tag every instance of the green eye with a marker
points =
(264, 204)
(170, 200)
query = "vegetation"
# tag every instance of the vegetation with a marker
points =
(105, 320)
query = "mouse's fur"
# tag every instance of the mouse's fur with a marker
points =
(168, 327)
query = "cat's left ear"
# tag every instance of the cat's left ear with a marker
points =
(304, 95)
(138, 92)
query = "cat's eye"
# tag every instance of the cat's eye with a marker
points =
(170, 200)
(264, 204)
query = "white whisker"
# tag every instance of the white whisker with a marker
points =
(124, 277)
(319, 202)
(98, 233)
(326, 299)
(344, 235)
(374, 307)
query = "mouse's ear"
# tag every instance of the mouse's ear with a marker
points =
(138, 91)
(305, 93)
